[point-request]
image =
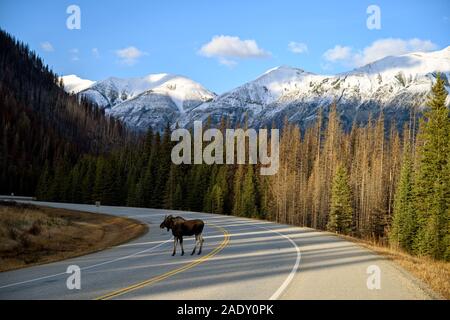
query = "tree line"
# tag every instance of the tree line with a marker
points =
(373, 182)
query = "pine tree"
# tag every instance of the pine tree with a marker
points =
(249, 195)
(162, 170)
(216, 198)
(341, 211)
(237, 191)
(446, 225)
(61, 182)
(88, 181)
(44, 184)
(218, 190)
(264, 196)
(148, 173)
(194, 187)
(75, 187)
(378, 182)
(178, 198)
(173, 198)
(98, 182)
(432, 184)
(110, 182)
(404, 220)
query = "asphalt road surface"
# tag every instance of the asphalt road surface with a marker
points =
(241, 259)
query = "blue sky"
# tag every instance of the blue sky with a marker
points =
(221, 44)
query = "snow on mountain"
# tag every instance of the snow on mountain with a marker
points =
(392, 85)
(153, 100)
(163, 104)
(74, 84)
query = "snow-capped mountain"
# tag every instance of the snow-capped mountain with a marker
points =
(393, 85)
(75, 84)
(150, 101)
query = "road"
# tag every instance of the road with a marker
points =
(242, 259)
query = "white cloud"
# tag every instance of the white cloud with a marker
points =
(130, 55)
(375, 51)
(338, 53)
(227, 48)
(47, 46)
(389, 47)
(297, 47)
(95, 52)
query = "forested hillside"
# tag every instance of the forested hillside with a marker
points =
(372, 182)
(40, 124)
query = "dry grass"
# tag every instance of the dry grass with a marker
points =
(32, 235)
(436, 274)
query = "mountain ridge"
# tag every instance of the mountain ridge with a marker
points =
(392, 85)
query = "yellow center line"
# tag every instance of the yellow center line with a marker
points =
(168, 274)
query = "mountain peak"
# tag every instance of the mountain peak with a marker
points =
(414, 63)
(279, 76)
(283, 68)
(283, 71)
(75, 84)
(156, 76)
(160, 97)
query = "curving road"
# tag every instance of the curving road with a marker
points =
(241, 259)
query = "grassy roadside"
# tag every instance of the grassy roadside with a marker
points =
(31, 235)
(436, 274)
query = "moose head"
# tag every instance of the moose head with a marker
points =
(167, 223)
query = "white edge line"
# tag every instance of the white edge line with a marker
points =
(85, 268)
(291, 275)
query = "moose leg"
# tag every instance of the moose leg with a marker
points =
(196, 240)
(201, 243)
(175, 240)
(181, 243)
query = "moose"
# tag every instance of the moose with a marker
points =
(181, 227)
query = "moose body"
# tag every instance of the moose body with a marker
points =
(181, 227)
